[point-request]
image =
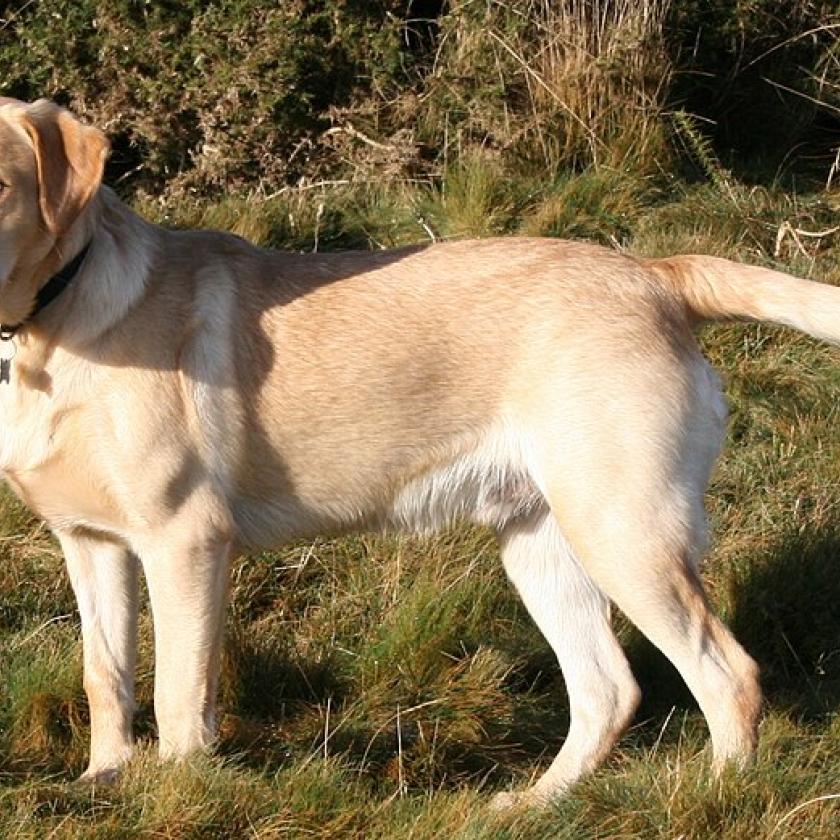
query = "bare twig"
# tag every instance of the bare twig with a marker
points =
(41, 627)
(822, 103)
(6, 22)
(824, 28)
(349, 128)
(802, 806)
(318, 215)
(786, 229)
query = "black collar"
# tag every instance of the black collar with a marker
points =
(48, 292)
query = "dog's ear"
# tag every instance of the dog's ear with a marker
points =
(70, 158)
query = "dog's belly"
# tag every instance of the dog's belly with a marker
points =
(487, 482)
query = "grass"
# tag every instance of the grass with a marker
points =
(381, 687)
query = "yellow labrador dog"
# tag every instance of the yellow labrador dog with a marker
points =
(179, 397)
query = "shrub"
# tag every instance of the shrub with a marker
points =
(764, 75)
(244, 96)
(203, 95)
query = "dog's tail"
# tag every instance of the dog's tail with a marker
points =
(718, 289)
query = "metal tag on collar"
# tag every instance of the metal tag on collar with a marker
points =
(8, 350)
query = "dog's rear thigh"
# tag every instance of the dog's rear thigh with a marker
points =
(638, 535)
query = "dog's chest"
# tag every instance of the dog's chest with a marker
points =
(65, 496)
(48, 463)
(27, 428)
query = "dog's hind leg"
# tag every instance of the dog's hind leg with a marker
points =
(651, 576)
(574, 616)
(627, 489)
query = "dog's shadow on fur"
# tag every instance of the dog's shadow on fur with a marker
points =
(257, 352)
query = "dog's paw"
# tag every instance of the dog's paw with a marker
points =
(101, 777)
(505, 801)
(531, 798)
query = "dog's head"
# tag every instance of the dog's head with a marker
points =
(50, 168)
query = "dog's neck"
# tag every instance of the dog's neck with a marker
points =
(111, 279)
(51, 290)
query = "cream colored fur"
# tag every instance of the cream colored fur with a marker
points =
(190, 397)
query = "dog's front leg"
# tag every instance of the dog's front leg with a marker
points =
(104, 578)
(187, 574)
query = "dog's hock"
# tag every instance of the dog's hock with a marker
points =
(70, 159)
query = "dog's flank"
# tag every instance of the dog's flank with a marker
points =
(190, 396)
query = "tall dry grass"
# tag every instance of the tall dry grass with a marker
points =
(576, 83)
